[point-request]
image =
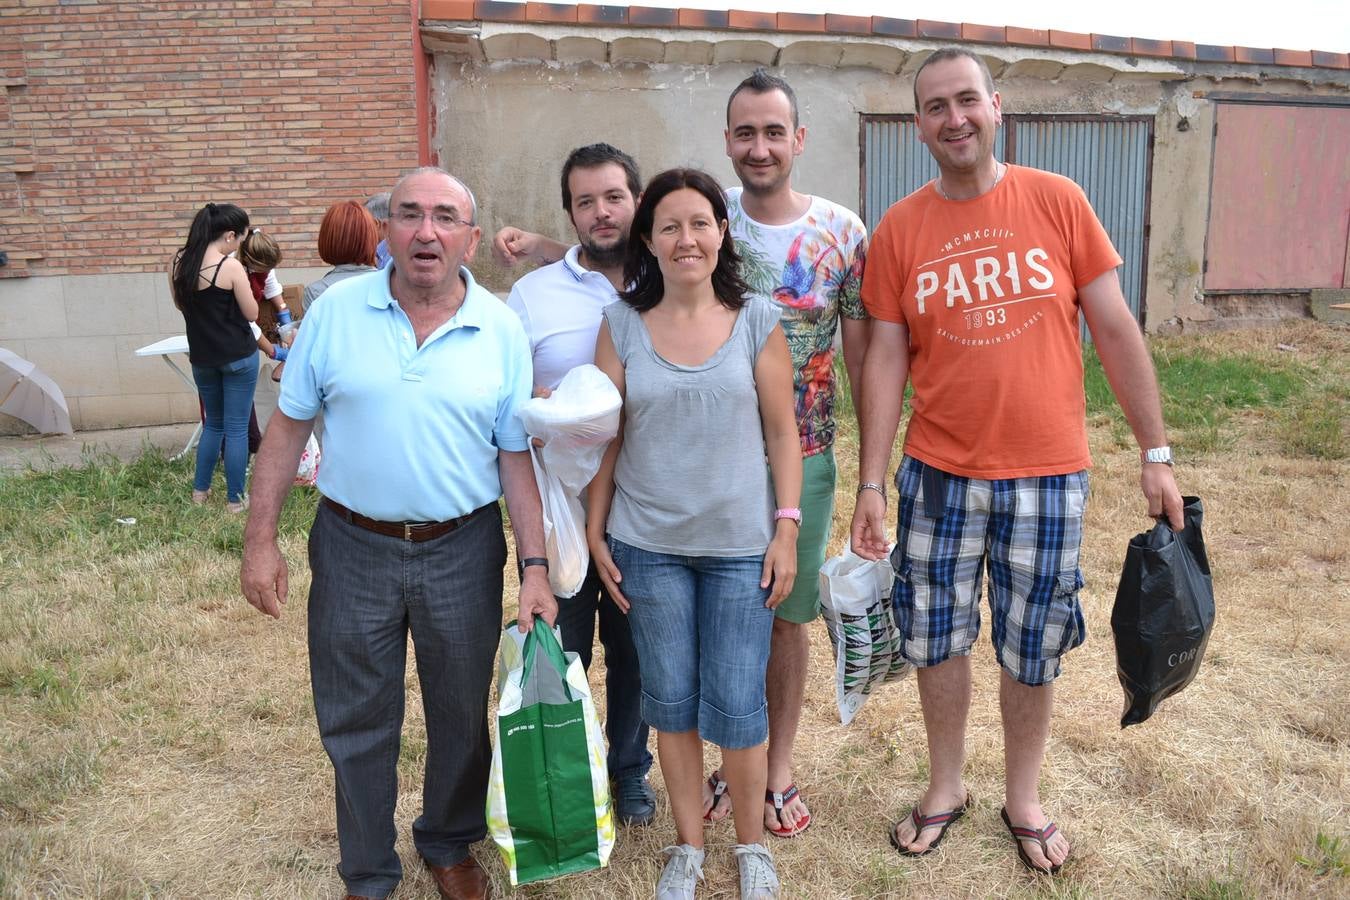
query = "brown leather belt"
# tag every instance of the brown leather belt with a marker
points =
(408, 531)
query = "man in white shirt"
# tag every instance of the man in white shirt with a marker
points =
(559, 304)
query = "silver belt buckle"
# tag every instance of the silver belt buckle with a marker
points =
(409, 526)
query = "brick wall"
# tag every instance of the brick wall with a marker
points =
(119, 120)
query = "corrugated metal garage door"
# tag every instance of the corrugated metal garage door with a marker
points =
(895, 164)
(1279, 214)
(1111, 157)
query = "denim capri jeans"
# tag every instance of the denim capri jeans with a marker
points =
(702, 633)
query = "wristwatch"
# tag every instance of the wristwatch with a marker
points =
(1157, 455)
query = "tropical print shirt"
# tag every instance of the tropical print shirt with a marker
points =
(812, 268)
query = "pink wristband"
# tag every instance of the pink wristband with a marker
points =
(788, 512)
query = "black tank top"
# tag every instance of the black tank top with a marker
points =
(217, 332)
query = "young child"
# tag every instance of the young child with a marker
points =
(260, 255)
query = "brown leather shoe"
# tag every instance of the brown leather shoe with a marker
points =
(465, 880)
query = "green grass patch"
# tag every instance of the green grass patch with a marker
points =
(48, 773)
(1315, 427)
(1200, 392)
(96, 503)
(1330, 856)
(1216, 889)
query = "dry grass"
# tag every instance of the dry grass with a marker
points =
(157, 739)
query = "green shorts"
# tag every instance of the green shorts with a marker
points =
(817, 504)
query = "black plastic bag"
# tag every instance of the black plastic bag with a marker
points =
(1163, 614)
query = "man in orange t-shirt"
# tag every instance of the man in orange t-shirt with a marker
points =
(975, 283)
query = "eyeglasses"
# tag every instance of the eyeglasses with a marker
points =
(443, 221)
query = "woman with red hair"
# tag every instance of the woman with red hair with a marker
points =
(347, 239)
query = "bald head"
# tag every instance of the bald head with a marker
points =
(471, 214)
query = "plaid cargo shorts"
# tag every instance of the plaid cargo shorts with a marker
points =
(1027, 531)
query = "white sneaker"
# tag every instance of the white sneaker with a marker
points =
(683, 871)
(759, 879)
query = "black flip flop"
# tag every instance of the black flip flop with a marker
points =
(945, 819)
(719, 790)
(1041, 836)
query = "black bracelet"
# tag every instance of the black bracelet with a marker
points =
(534, 561)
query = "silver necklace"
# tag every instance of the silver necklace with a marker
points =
(998, 176)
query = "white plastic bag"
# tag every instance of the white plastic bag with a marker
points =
(855, 603)
(576, 423)
(307, 474)
(564, 532)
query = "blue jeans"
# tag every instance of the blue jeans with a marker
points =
(702, 633)
(624, 728)
(367, 594)
(227, 400)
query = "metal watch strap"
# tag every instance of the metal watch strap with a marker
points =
(1161, 454)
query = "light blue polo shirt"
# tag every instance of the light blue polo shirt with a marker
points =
(410, 433)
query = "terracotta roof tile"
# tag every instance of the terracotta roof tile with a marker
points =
(1146, 47)
(888, 27)
(653, 16)
(1253, 55)
(1110, 43)
(1293, 57)
(984, 34)
(883, 26)
(451, 10)
(801, 22)
(551, 13)
(1070, 40)
(1331, 60)
(1029, 37)
(1213, 53)
(848, 24)
(758, 21)
(928, 28)
(497, 11)
(703, 18)
(591, 14)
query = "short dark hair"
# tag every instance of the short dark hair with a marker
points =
(761, 82)
(592, 156)
(641, 271)
(946, 54)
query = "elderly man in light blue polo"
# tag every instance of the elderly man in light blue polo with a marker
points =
(418, 372)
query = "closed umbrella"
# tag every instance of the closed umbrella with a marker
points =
(27, 393)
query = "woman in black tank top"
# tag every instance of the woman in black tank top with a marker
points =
(210, 288)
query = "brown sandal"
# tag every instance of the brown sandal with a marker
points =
(1041, 836)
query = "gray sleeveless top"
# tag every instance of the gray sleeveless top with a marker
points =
(691, 478)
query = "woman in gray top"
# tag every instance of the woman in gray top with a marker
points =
(692, 534)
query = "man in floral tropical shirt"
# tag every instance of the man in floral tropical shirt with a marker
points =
(806, 254)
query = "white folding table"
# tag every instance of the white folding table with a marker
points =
(165, 350)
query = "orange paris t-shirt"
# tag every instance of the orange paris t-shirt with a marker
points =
(988, 289)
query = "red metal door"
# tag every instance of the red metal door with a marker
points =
(1279, 198)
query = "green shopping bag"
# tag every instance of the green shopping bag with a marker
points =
(548, 795)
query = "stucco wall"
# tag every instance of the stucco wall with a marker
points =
(505, 126)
